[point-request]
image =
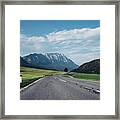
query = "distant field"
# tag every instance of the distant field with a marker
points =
(29, 75)
(95, 77)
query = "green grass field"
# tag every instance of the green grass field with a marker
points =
(95, 77)
(29, 75)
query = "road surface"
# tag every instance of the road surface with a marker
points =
(59, 87)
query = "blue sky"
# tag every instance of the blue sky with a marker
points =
(79, 40)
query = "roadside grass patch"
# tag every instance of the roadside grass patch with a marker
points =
(30, 75)
(95, 77)
(28, 81)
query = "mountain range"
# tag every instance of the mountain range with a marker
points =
(54, 61)
(57, 61)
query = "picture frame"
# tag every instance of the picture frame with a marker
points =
(2, 56)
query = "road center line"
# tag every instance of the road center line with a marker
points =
(62, 80)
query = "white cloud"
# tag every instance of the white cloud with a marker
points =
(36, 39)
(78, 44)
(75, 34)
(31, 44)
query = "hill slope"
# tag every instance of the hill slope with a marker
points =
(89, 67)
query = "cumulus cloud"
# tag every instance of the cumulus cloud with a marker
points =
(75, 34)
(78, 44)
(31, 44)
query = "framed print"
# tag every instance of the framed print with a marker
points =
(59, 59)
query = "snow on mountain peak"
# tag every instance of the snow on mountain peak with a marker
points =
(56, 56)
(55, 61)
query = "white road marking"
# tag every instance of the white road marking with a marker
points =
(62, 80)
(96, 91)
(30, 84)
(74, 82)
(87, 88)
(66, 81)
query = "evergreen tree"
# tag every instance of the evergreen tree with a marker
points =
(65, 70)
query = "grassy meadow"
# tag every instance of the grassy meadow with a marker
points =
(29, 75)
(95, 77)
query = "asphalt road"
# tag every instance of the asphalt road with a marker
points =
(59, 87)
